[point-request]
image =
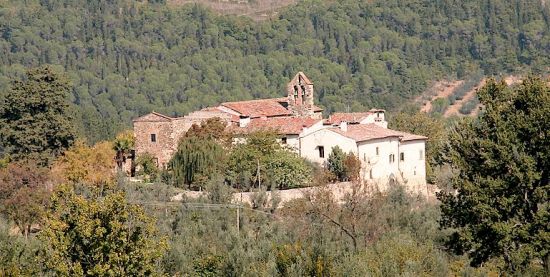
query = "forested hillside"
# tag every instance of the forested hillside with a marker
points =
(126, 58)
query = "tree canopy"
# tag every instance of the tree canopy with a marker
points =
(127, 58)
(499, 201)
(35, 120)
(98, 237)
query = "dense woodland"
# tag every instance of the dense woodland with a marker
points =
(126, 58)
(66, 211)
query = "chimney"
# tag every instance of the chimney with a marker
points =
(344, 126)
(243, 121)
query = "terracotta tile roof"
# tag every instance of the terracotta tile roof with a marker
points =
(259, 108)
(365, 132)
(337, 118)
(287, 125)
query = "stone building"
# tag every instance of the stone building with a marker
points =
(385, 154)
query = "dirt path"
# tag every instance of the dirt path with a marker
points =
(510, 80)
(454, 109)
(257, 10)
(441, 89)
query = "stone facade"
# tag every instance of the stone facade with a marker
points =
(385, 154)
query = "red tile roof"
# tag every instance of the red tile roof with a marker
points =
(365, 132)
(259, 108)
(287, 125)
(337, 118)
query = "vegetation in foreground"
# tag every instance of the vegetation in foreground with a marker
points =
(65, 213)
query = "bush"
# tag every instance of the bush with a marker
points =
(147, 167)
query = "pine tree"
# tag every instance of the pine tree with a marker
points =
(35, 122)
(499, 201)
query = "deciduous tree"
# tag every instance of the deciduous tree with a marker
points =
(24, 192)
(87, 165)
(98, 237)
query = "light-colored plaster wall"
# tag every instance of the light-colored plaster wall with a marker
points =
(414, 165)
(380, 164)
(328, 139)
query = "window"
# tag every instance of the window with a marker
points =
(377, 151)
(370, 174)
(421, 155)
(153, 137)
(392, 158)
(321, 151)
(365, 157)
(283, 140)
(402, 156)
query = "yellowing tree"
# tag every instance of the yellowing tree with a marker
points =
(88, 165)
(100, 236)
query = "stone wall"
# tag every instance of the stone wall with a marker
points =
(168, 131)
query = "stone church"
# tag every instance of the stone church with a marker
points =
(385, 154)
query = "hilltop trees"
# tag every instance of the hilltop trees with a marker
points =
(35, 122)
(127, 58)
(499, 202)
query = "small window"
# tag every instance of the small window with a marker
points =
(377, 151)
(402, 156)
(283, 140)
(321, 151)
(392, 158)
(421, 154)
(153, 137)
(370, 174)
(365, 157)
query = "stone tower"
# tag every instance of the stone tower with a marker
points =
(300, 95)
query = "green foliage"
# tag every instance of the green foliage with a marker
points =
(499, 202)
(126, 58)
(16, 254)
(401, 255)
(469, 106)
(196, 158)
(98, 237)
(432, 127)
(335, 163)
(35, 122)
(287, 170)
(262, 161)
(123, 144)
(439, 106)
(147, 167)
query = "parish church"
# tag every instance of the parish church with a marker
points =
(386, 155)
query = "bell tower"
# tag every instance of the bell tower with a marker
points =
(300, 95)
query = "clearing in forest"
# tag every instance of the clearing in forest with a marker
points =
(255, 9)
(440, 89)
